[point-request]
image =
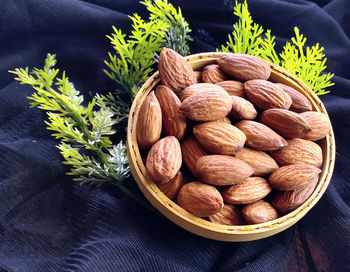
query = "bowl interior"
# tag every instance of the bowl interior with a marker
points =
(201, 226)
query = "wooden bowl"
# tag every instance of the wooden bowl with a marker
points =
(201, 226)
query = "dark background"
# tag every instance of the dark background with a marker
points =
(50, 223)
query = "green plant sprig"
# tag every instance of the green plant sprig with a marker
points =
(82, 129)
(307, 63)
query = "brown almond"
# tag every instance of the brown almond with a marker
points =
(266, 95)
(242, 108)
(191, 152)
(259, 212)
(149, 122)
(219, 137)
(222, 170)
(261, 162)
(209, 105)
(260, 137)
(200, 199)
(244, 67)
(293, 177)
(285, 122)
(299, 101)
(174, 122)
(198, 75)
(299, 151)
(290, 200)
(212, 74)
(164, 159)
(171, 188)
(319, 123)
(251, 190)
(228, 215)
(174, 71)
(233, 87)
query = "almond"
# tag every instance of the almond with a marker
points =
(149, 122)
(174, 122)
(244, 67)
(290, 200)
(196, 88)
(222, 170)
(242, 108)
(213, 74)
(299, 151)
(251, 190)
(259, 136)
(319, 123)
(164, 159)
(293, 177)
(200, 199)
(191, 152)
(208, 105)
(198, 75)
(233, 87)
(261, 162)
(259, 212)
(299, 101)
(287, 123)
(171, 188)
(174, 71)
(228, 215)
(219, 137)
(266, 95)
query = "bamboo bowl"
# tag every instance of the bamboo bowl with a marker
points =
(201, 226)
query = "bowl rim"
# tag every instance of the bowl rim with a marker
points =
(201, 226)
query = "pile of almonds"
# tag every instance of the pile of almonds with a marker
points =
(247, 143)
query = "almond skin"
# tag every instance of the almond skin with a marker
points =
(251, 190)
(222, 170)
(259, 212)
(174, 71)
(228, 215)
(242, 108)
(198, 75)
(299, 101)
(285, 122)
(191, 152)
(164, 159)
(244, 67)
(225, 120)
(174, 122)
(261, 162)
(171, 188)
(293, 177)
(213, 74)
(233, 87)
(149, 122)
(200, 199)
(290, 200)
(319, 124)
(299, 151)
(260, 137)
(196, 88)
(208, 105)
(266, 95)
(219, 137)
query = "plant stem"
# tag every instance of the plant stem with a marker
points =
(130, 194)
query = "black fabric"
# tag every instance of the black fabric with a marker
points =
(50, 223)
